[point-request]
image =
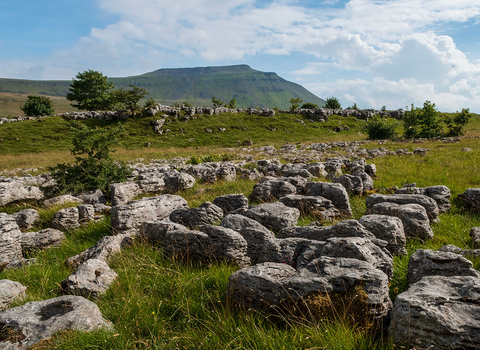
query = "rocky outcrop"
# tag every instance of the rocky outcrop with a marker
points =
(66, 219)
(270, 189)
(26, 219)
(35, 321)
(60, 200)
(15, 191)
(10, 291)
(206, 213)
(441, 194)
(43, 239)
(334, 192)
(274, 216)
(387, 228)
(470, 198)
(314, 205)
(10, 240)
(231, 202)
(475, 234)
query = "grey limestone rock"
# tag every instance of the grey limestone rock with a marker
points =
(10, 240)
(175, 181)
(475, 234)
(389, 229)
(231, 202)
(371, 169)
(93, 197)
(124, 192)
(46, 238)
(315, 205)
(468, 253)
(131, 215)
(254, 233)
(26, 218)
(295, 252)
(428, 203)
(15, 191)
(470, 198)
(441, 194)
(66, 219)
(317, 169)
(426, 262)
(66, 198)
(9, 292)
(332, 191)
(206, 213)
(353, 184)
(92, 278)
(367, 180)
(270, 189)
(155, 231)
(273, 216)
(39, 320)
(86, 213)
(438, 312)
(414, 218)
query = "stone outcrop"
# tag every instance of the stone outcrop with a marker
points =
(315, 205)
(15, 191)
(231, 202)
(60, 200)
(26, 219)
(66, 219)
(334, 192)
(43, 239)
(10, 291)
(206, 213)
(475, 234)
(387, 228)
(274, 216)
(10, 240)
(470, 198)
(441, 194)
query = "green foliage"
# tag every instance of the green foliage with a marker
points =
(94, 167)
(38, 105)
(232, 103)
(195, 160)
(150, 103)
(353, 107)
(379, 128)
(295, 103)
(90, 90)
(217, 102)
(187, 104)
(309, 105)
(456, 124)
(127, 98)
(332, 103)
(422, 122)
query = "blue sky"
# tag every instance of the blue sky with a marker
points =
(372, 53)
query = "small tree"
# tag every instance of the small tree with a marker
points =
(309, 105)
(217, 102)
(94, 167)
(128, 98)
(232, 103)
(378, 128)
(150, 103)
(353, 107)
(332, 103)
(422, 122)
(38, 105)
(456, 124)
(295, 103)
(90, 90)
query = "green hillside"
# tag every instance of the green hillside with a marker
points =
(251, 88)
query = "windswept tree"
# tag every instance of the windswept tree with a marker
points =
(332, 103)
(90, 91)
(295, 103)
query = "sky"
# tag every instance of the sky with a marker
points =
(370, 52)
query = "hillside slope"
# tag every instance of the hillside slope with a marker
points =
(251, 88)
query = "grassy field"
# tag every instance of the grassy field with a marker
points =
(10, 104)
(160, 303)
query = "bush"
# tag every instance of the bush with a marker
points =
(232, 103)
(90, 91)
(332, 103)
(295, 103)
(422, 122)
(456, 124)
(94, 167)
(309, 105)
(149, 103)
(217, 102)
(127, 98)
(378, 128)
(38, 105)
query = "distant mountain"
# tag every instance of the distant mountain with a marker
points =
(251, 88)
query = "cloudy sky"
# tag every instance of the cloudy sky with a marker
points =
(373, 53)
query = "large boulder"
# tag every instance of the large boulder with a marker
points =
(332, 191)
(274, 216)
(9, 292)
(35, 321)
(155, 231)
(428, 203)
(270, 189)
(15, 191)
(470, 198)
(438, 312)
(124, 192)
(231, 202)
(92, 278)
(254, 233)
(414, 218)
(60, 200)
(389, 229)
(426, 262)
(10, 240)
(316, 205)
(43, 239)
(66, 219)
(26, 218)
(93, 197)
(175, 181)
(131, 215)
(206, 213)
(475, 234)
(353, 184)
(441, 194)
(295, 252)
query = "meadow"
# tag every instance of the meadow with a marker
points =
(161, 303)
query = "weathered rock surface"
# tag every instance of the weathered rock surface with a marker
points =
(470, 198)
(9, 292)
(86, 213)
(124, 192)
(38, 320)
(332, 191)
(273, 216)
(353, 184)
(315, 205)
(66, 219)
(467, 253)
(426, 262)
(93, 197)
(207, 213)
(270, 189)
(131, 215)
(414, 218)
(66, 198)
(438, 312)
(296, 252)
(15, 191)
(254, 233)
(47, 238)
(428, 203)
(155, 231)
(441, 194)
(92, 278)
(475, 234)
(231, 202)
(389, 229)
(175, 181)
(26, 218)
(10, 240)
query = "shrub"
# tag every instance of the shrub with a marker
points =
(309, 105)
(295, 103)
(353, 107)
(378, 128)
(94, 167)
(38, 105)
(332, 103)
(90, 91)
(232, 103)
(149, 103)
(127, 98)
(456, 124)
(217, 102)
(422, 122)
